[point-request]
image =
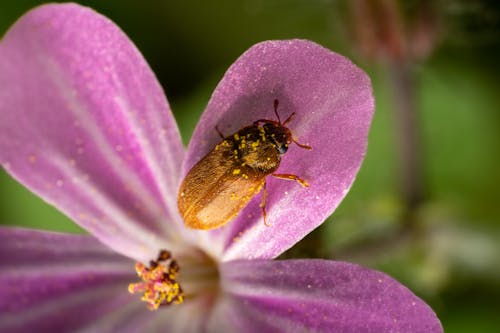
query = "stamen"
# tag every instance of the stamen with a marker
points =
(159, 285)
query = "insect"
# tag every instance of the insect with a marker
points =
(223, 182)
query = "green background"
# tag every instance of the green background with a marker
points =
(451, 258)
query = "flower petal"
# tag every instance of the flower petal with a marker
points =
(85, 125)
(60, 282)
(188, 317)
(316, 296)
(333, 104)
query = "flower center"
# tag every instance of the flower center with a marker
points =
(158, 285)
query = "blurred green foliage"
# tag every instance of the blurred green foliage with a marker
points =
(452, 259)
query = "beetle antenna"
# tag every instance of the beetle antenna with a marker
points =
(276, 103)
(290, 117)
(219, 132)
(301, 145)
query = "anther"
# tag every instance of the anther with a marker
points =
(159, 285)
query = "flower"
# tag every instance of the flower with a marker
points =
(85, 125)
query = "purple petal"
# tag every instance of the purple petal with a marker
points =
(60, 282)
(188, 317)
(316, 296)
(333, 102)
(85, 125)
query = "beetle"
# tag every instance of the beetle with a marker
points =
(217, 188)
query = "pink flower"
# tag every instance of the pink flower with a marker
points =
(85, 125)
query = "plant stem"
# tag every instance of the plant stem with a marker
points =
(403, 86)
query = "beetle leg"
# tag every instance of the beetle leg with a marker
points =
(301, 181)
(263, 204)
